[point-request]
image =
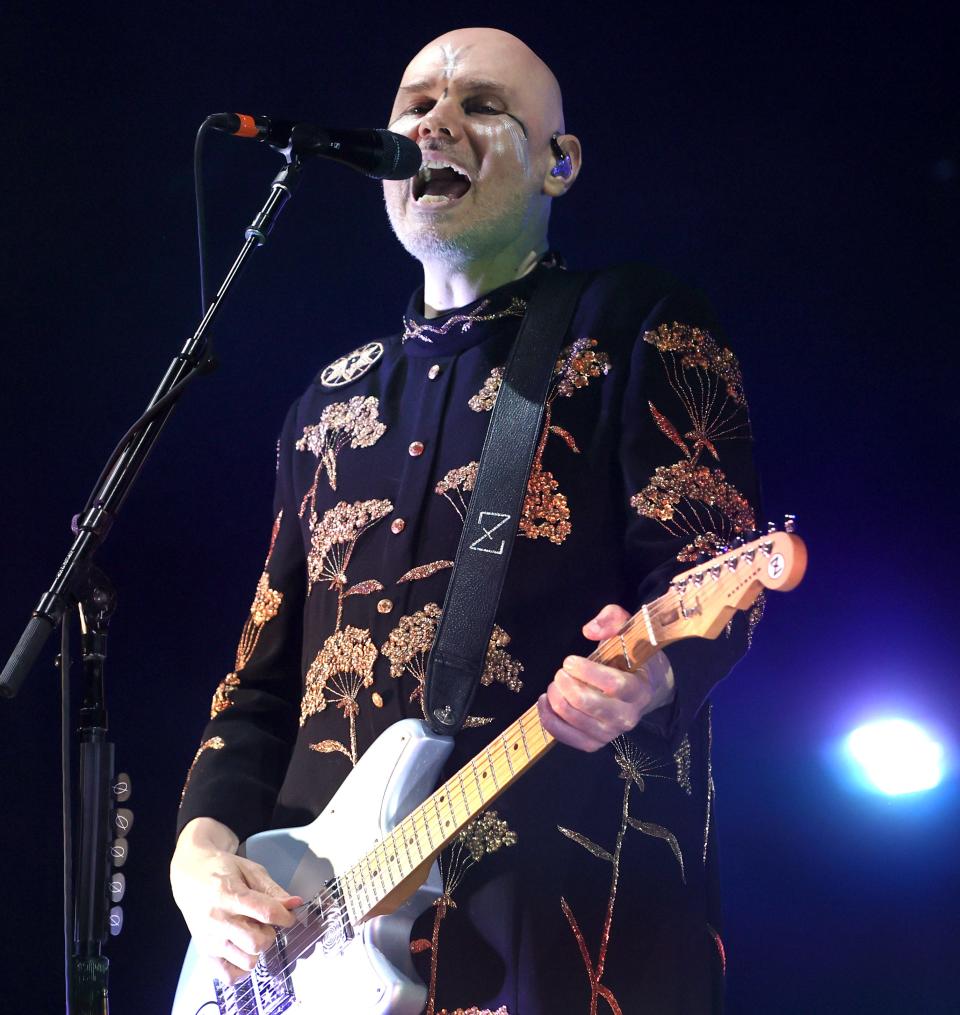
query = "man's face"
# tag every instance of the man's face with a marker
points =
(482, 107)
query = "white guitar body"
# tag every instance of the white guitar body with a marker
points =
(370, 973)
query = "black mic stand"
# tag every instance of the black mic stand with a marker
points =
(78, 583)
(88, 965)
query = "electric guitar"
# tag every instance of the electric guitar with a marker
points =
(367, 864)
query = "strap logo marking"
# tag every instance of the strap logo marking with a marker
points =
(487, 537)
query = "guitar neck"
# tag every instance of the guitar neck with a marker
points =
(698, 603)
(420, 837)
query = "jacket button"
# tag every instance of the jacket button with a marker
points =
(384, 606)
(416, 449)
(434, 372)
(397, 526)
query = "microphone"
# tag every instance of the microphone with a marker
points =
(378, 153)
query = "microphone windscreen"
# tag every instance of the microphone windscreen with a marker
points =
(401, 157)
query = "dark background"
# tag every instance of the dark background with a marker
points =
(798, 163)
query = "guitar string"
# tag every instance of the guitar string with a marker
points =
(670, 601)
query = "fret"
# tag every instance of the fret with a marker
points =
(413, 825)
(363, 886)
(426, 828)
(375, 872)
(463, 793)
(506, 749)
(473, 768)
(493, 770)
(380, 854)
(523, 737)
(436, 807)
(453, 813)
(406, 851)
(395, 863)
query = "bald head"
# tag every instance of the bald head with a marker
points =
(493, 56)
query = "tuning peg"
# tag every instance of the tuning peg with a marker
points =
(116, 920)
(771, 528)
(122, 820)
(737, 543)
(118, 852)
(122, 788)
(789, 523)
(118, 885)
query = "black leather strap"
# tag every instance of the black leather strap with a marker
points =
(460, 648)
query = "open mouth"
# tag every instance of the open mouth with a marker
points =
(439, 182)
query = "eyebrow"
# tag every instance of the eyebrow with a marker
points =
(465, 84)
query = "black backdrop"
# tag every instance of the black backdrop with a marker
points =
(799, 164)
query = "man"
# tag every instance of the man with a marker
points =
(597, 875)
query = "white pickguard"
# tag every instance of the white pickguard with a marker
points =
(373, 974)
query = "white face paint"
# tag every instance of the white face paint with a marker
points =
(404, 123)
(450, 58)
(506, 136)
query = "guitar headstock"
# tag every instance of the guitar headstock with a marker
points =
(701, 601)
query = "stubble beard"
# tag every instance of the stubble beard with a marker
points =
(431, 239)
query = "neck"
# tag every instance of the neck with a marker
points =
(446, 286)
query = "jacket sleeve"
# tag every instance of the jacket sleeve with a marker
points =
(687, 460)
(244, 750)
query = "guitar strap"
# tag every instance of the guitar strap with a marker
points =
(459, 650)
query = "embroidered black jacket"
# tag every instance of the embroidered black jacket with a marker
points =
(598, 874)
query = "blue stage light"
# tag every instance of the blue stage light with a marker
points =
(896, 756)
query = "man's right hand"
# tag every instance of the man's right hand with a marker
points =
(230, 904)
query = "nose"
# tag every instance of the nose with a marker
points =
(440, 121)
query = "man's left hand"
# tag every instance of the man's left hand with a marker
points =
(588, 704)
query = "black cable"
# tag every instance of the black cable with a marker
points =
(150, 414)
(201, 212)
(65, 785)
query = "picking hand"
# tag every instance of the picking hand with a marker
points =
(231, 904)
(588, 704)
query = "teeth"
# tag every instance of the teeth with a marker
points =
(429, 164)
(433, 199)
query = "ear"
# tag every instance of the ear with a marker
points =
(557, 186)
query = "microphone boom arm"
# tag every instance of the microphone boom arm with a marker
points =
(92, 526)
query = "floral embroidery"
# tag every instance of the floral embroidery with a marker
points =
(221, 696)
(341, 669)
(482, 836)
(424, 571)
(516, 308)
(213, 744)
(485, 399)
(266, 605)
(344, 665)
(681, 758)
(354, 422)
(634, 767)
(332, 541)
(700, 352)
(721, 951)
(408, 646)
(695, 500)
(687, 498)
(455, 484)
(545, 510)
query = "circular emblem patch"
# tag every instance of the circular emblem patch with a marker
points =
(355, 364)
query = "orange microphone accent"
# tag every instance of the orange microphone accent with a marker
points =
(248, 126)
